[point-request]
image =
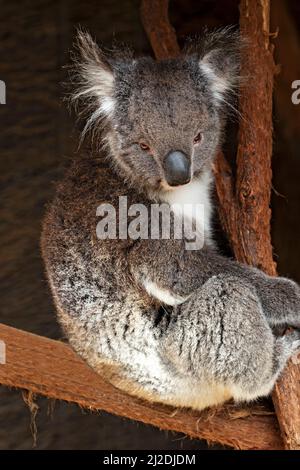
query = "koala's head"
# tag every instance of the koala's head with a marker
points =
(162, 121)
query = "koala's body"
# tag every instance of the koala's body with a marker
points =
(182, 327)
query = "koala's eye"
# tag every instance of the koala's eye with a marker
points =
(144, 147)
(197, 138)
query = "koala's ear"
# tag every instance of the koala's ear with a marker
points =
(93, 77)
(218, 56)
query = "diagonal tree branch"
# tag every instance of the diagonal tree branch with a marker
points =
(155, 19)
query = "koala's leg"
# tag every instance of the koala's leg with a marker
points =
(214, 346)
(181, 272)
(221, 334)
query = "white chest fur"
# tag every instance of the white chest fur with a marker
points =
(195, 194)
(192, 195)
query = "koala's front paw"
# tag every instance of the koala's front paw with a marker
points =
(281, 302)
(291, 345)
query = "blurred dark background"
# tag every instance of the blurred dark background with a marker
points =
(37, 138)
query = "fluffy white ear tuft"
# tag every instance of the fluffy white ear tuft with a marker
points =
(94, 80)
(219, 85)
(218, 56)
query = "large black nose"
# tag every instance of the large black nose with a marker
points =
(177, 168)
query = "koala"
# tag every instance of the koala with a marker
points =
(188, 328)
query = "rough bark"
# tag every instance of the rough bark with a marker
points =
(155, 19)
(52, 368)
(244, 204)
(251, 239)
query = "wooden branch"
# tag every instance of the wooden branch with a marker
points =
(51, 368)
(244, 205)
(155, 19)
(253, 184)
(286, 399)
(226, 195)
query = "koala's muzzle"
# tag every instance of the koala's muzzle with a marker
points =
(177, 168)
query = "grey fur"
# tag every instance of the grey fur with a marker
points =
(216, 345)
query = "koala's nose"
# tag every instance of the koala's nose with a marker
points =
(177, 168)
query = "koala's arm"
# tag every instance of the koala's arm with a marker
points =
(170, 273)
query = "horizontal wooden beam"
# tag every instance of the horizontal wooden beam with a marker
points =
(51, 368)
